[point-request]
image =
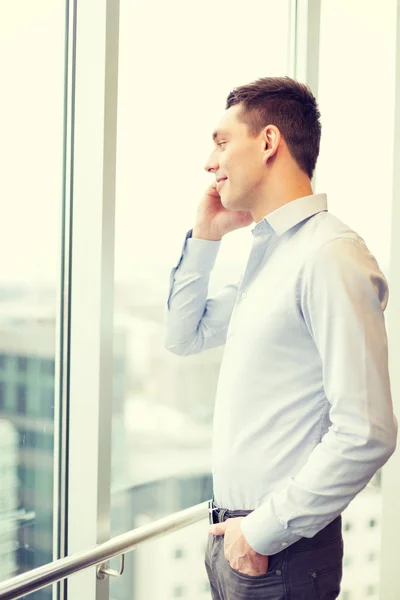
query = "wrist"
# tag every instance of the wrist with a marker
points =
(204, 234)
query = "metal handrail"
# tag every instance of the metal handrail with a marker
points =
(64, 567)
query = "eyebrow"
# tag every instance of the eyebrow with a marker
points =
(217, 133)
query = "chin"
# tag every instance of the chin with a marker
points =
(230, 203)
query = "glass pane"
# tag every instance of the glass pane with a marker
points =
(178, 557)
(32, 38)
(169, 104)
(357, 177)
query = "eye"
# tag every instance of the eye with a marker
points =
(221, 144)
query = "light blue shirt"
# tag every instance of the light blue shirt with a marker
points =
(303, 414)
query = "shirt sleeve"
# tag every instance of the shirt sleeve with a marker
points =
(343, 295)
(193, 321)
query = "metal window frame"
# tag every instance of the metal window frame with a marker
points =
(304, 31)
(304, 34)
(63, 323)
(92, 189)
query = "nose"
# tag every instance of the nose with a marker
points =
(211, 165)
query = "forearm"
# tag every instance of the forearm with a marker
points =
(343, 296)
(337, 470)
(194, 322)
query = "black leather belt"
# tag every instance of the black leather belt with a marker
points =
(216, 514)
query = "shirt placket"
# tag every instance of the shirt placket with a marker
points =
(256, 258)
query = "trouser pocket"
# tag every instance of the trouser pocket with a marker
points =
(238, 586)
(326, 582)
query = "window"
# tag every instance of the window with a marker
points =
(352, 196)
(371, 590)
(31, 157)
(44, 483)
(179, 553)
(21, 398)
(47, 367)
(30, 439)
(22, 364)
(26, 557)
(47, 403)
(27, 479)
(347, 561)
(163, 404)
(44, 442)
(2, 399)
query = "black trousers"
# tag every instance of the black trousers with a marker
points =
(309, 569)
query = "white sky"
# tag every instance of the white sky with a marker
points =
(178, 62)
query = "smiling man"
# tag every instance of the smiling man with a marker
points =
(303, 413)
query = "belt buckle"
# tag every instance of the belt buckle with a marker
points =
(211, 511)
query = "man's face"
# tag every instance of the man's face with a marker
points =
(238, 161)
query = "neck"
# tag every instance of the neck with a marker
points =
(287, 190)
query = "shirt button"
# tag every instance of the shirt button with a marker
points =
(284, 544)
(244, 295)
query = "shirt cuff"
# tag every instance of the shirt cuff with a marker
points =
(266, 532)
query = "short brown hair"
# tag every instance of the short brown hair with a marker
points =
(290, 106)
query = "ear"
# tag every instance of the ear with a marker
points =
(271, 139)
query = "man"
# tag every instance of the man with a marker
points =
(303, 415)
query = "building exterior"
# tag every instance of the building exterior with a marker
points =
(8, 499)
(362, 539)
(27, 409)
(180, 565)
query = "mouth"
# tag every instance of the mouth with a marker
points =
(220, 183)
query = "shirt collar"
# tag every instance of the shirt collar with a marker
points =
(291, 214)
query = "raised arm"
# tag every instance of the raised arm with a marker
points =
(195, 322)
